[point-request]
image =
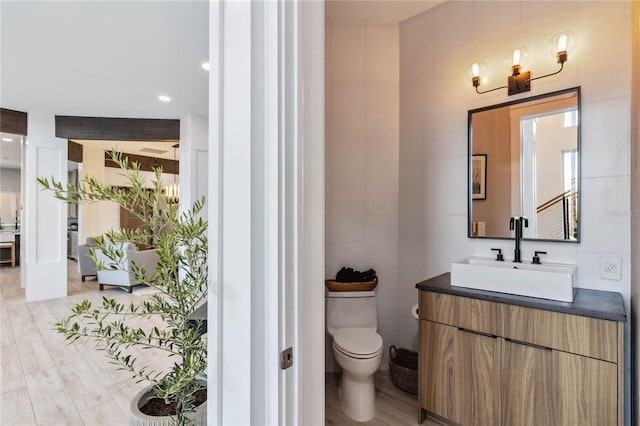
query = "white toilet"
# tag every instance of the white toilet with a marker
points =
(352, 322)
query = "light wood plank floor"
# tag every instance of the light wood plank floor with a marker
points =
(394, 407)
(44, 381)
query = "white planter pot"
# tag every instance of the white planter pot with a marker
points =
(138, 418)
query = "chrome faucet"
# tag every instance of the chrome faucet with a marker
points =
(515, 224)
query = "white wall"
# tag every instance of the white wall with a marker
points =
(44, 266)
(361, 149)
(435, 48)
(194, 164)
(90, 222)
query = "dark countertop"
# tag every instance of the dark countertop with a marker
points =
(606, 305)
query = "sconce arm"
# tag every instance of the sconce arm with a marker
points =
(548, 75)
(490, 90)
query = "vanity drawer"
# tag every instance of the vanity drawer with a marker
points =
(464, 312)
(580, 335)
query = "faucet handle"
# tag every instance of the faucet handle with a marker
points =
(536, 258)
(499, 256)
(525, 222)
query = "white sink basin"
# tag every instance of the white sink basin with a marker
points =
(552, 281)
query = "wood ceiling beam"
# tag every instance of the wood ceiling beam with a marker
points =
(118, 129)
(14, 122)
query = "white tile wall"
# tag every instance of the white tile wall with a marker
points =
(341, 254)
(446, 192)
(606, 136)
(362, 147)
(348, 112)
(606, 215)
(605, 59)
(347, 164)
(435, 48)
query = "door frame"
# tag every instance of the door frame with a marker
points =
(265, 58)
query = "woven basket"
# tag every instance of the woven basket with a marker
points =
(403, 368)
(338, 286)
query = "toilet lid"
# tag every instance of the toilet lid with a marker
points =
(357, 341)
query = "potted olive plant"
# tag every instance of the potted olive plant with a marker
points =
(180, 241)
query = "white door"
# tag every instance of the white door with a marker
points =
(290, 166)
(267, 212)
(310, 287)
(302, 300)
(45, 224)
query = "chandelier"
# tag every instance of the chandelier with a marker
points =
(172, 191)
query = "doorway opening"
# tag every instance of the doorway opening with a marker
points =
(11, 177)
(89, 220)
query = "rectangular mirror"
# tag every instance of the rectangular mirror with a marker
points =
(524, 160)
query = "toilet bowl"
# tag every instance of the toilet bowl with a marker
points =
(352, 322)
(358, 351)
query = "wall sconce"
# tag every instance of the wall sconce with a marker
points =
(520, 81)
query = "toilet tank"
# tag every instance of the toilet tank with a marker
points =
(351, 309)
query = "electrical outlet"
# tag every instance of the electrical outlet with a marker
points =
(610, 267)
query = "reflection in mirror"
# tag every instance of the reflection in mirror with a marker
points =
(10, 181)
(524, 160)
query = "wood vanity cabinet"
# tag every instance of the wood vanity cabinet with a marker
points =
(490, 363)
(463, 370)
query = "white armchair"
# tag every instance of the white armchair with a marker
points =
(86, 265)
(124, 277)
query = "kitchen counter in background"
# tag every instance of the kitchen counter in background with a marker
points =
(72, 245)
(8, 235)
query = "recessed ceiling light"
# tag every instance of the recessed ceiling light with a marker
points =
(164, 98)
(205, 65)
(7, 140)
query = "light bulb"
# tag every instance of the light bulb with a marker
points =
(562, 42)
(476, 71)
(561, 45)
(516, 57)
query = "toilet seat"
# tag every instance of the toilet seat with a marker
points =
(355, 342)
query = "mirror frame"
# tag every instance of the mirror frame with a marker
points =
(470, 158)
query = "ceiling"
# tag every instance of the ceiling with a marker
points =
(374, 11)
(113, 58)
(104, 58)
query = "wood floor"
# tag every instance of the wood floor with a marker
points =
(44, 381)
(394, 407)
